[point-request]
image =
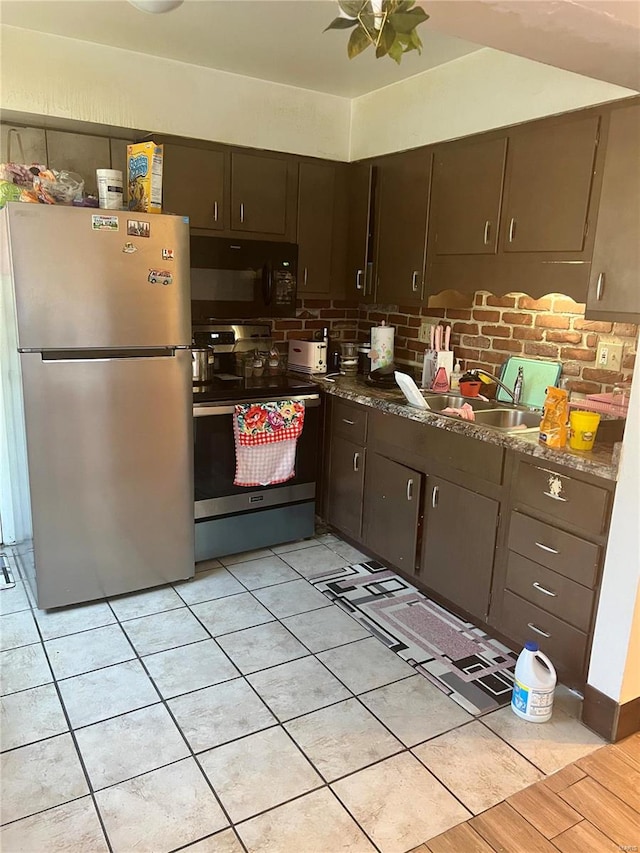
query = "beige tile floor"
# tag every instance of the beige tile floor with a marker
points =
(241, 711)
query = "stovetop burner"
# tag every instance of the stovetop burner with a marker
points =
(231, 387)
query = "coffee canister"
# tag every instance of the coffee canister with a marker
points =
(364, 359)
(110, 188)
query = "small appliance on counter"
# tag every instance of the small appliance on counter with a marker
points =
(308, 356)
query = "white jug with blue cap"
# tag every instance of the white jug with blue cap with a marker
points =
(534, 685)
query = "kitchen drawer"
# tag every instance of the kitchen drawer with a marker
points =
(568, 500)
(550, 591)
(565, 645)
(462, 452)
(350, 422)
(562, 552)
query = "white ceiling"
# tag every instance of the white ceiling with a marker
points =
(277, 40)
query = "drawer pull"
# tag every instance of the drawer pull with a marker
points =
(555, 497)
(347, 421)
(356, 461)
(537, 586)
(409, 490)
(547, 548)
(538, 630)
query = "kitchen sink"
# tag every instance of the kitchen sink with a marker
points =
(438, 402)
(508, 419)
(488, 413)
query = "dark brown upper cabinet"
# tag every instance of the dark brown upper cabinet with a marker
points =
(80, 153)
(466, 197)
(193, 185)
(359, 231)
(259, 193)
(22, 144)
(548, 185)
(614, 286)
(402, 205)
(316, 201)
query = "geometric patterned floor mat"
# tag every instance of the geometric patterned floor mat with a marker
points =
(469, 666)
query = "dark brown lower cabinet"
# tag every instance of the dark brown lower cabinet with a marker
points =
(391, 511)
(346, 486)
(458, 545)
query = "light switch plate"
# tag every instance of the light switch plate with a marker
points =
(425, 332)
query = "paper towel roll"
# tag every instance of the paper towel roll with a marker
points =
(381, 346)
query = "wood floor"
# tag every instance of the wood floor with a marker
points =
(592, 806)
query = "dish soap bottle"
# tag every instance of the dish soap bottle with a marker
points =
(456, 373)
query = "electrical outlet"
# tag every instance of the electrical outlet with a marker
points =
(609, 355)
(424, 335)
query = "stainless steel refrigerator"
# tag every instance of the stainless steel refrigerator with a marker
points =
(96, 440)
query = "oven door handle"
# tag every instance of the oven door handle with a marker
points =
(267, 283)
(204, 410)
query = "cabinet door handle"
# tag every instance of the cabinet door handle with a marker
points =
(414, 280)
(434, 496)
(487, 231)
(215, 211)
(538, 630)
(241, 212)
(347, 421)
(410, 490)
(305, 276)
(356, 461)
(512, 229)
(359, 275)
(555, 497)
(600, 286)
(537, 586)
(547, 548)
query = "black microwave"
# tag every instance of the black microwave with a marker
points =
(238, 279)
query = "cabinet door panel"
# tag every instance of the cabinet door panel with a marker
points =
(549, 175)
(467, 189)
(77, 152)
(258, 193)
(391, 510)
(119, 161)
(359, 187)
(315, 226)
(193, 185)
(34, 146)
(459, 544)
(403, 200)
(615, 278)
(346, 486)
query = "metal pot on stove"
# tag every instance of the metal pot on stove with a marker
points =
(202, 364)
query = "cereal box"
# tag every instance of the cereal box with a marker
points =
(144, 177)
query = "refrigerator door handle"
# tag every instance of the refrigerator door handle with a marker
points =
(106, 354)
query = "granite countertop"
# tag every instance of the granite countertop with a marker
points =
(602, 461)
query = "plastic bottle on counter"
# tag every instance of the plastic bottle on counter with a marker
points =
(456, 373)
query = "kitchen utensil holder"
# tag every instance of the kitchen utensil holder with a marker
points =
(433, 359)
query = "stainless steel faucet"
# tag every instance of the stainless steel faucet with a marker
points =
(517, 387)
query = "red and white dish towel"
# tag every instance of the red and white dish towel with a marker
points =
(266, 436)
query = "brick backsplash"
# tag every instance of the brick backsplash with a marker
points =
(483, 334)
(492, 328)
